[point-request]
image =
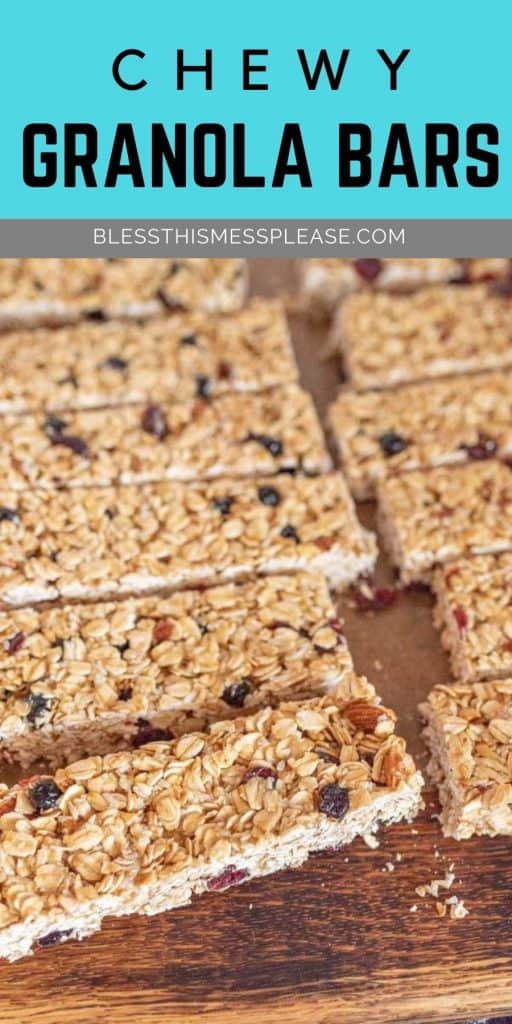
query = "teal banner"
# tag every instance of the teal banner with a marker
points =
(122, 109)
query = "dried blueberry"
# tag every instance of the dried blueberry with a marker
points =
(203, 386)
(223, 505)
(230, 876)
(148, 733)
(188, 339)
(290, 533)
(154, 421)
(333, 800)
(76, 444)
(15, 643)
(269, 495)
(368, 269)
(44, 795)
(8, 515)
(53, 938)
(235, 693)
(115, 363)
(391, 443)
(39, 705)
(271, 444)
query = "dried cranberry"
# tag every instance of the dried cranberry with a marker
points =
(53, 938)
(148, 733)
(39, 705)
(154, 421)
(269, 495)
(271, 444)
(162, 630)
(333, 800)
(368, 269)
(485, 448)
(382, 597)
(230, 876)
(44, 795)
(259, 772)
(203, 386)
(460, 618)
(125, 693)
(324, 543)
(391, 443)
(8, 515)
(223, 505)
(507, 646)
(15, 643)
(235, 693)
(188, 340)
(115, 363)
(290, 533)
(224, 370)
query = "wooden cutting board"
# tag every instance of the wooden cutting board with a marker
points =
(335, 942)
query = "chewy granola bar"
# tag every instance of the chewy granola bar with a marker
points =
(144, 831)
(474, 612)
(435, 516)
(93, 678)
(90, 543)
(189, 355)
(379, 434)
(36, 291)
(394, 339)
(469, 733)
(237, 435)
(325, 282)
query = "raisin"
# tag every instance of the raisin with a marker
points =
(125, 693)
(188, 339)
(223, 505)
(230, 876)
(115, 363)
(203, 386)
(485, 448)
(272, 444)
(8, 515)
(53, 938)
(235, 693)
(154, 421)
(15, 643)
(368, 269)
(333, 800)
(290, 533)
(269, 495)
(382, 597)
(391, 443)
(259, 772)
(460, 618)
(148, 733)
(44, 795)
(39, 705)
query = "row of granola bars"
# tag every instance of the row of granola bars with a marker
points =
(161, 479)
(427, 433)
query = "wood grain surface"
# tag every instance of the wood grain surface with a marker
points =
(335, 942)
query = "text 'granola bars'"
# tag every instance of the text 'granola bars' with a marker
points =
(177, 358)
(325, 282)
(237, 435)
(395, 339)
(469, 733)
(38, 291)
(101, 541)
(380, 434)
(430, 517)
(474, 613)
(89, 679)
(143, 831)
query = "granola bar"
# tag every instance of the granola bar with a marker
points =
(238, 435)
(394, 339)
(144, 831)
(432, 517)
(325, 282)
(474, 612)
(49, 291)
(419, 426)
(469, 733)
(93, 678)
(89, 365)
(90, 543)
